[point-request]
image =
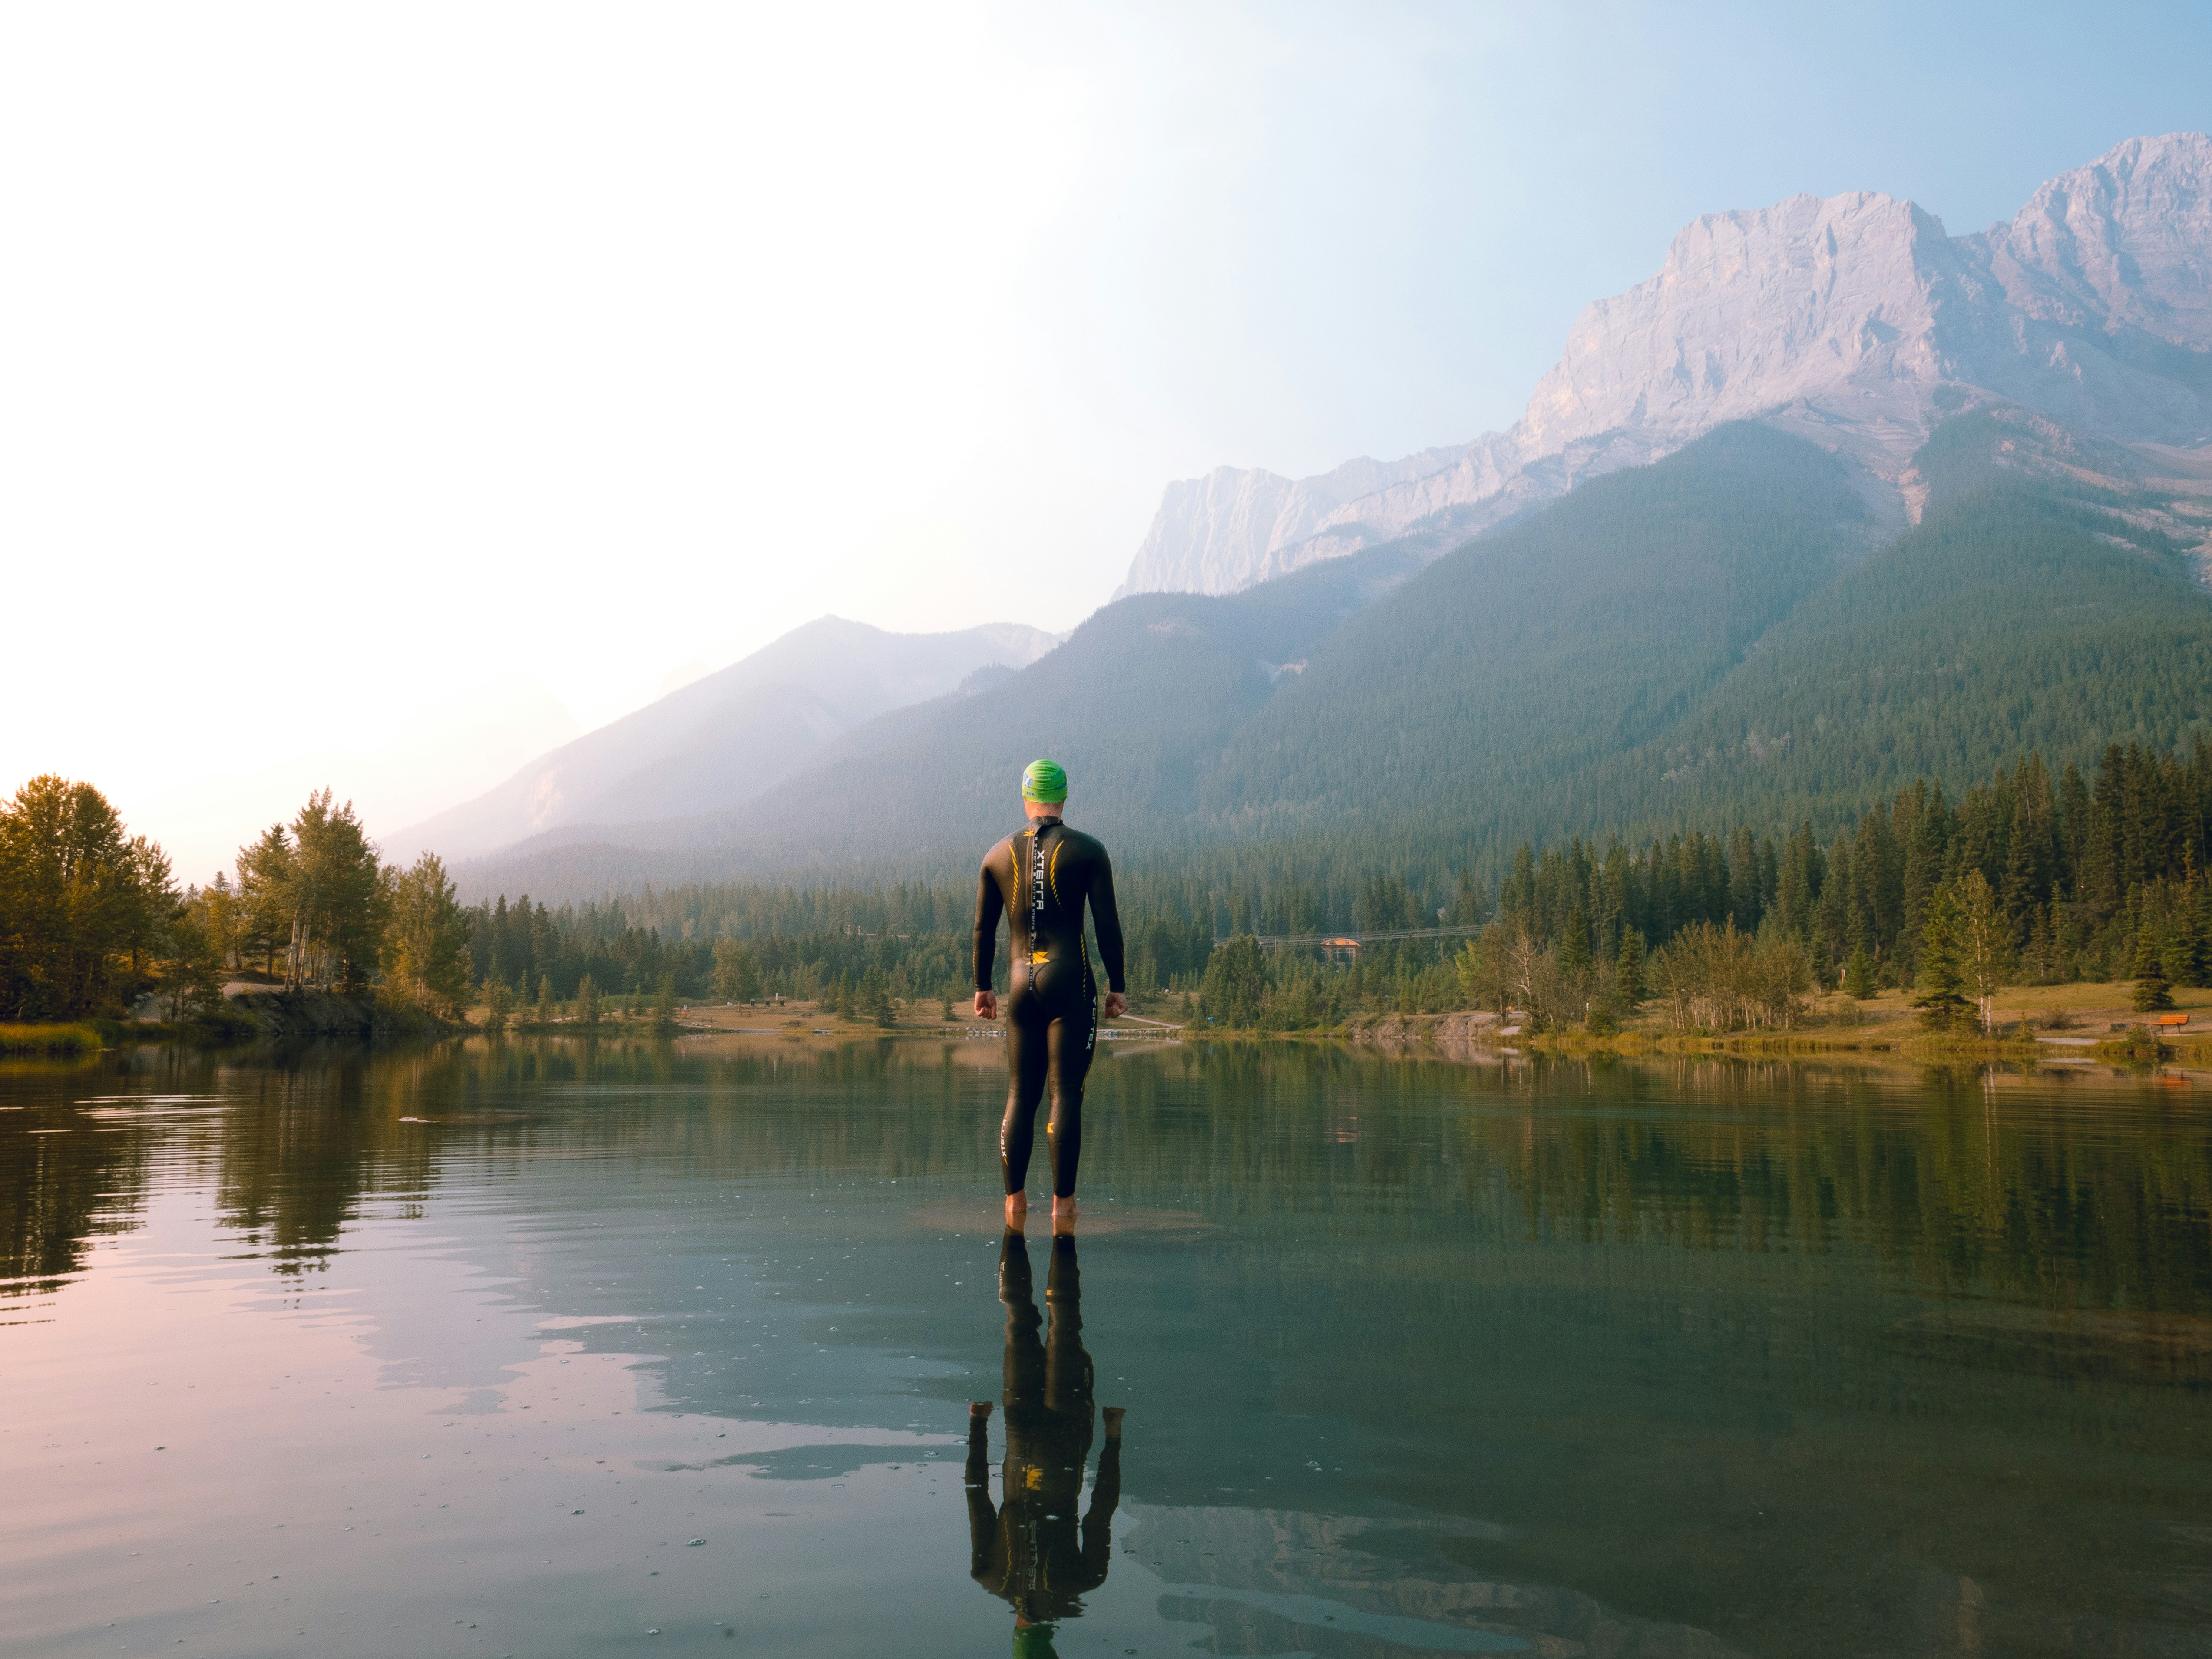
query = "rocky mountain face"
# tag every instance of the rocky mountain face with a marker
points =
(1856, 322)
(724, 739)
(1225, 531)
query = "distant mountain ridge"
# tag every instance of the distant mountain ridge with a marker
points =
(1833, 500)
(724, 739)
(1727, 635)
(1856, 322)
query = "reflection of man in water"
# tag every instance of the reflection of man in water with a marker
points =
(1027, 1551)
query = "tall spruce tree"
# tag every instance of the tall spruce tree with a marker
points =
(1942, 1002)
(1859, 973)
(1575, 946)
(2153, 990)
(1628, 968)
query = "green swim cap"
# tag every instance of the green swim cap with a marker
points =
(1034, 1641)
(1044, 781)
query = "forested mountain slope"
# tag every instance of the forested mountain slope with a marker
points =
(2010, 620)
(1695, 642)
(1718, 637)
(1488, 685)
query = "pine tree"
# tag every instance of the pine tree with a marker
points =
(499, 1002)
(1743, 881)
(2040, 958)
(1941, 1001)
(587, 1001)
(1628, 967)
(2153, 990)
(875, 995)
(1575, 948)
(736, 973)
(663, 1004)
(1859, 973)
(545, 999)
(498, 965)
(2186, 963)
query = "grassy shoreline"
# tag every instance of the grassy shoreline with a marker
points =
(1884, 1027)
(2090, 1021)
(74, 1037)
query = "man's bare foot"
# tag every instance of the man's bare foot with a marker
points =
(1063, 1215)
(1113, 1415)
(1017, 1210)
(979, 1408)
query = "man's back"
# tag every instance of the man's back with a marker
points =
(1040, 879)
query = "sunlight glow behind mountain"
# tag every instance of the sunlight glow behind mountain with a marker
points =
(348, 361)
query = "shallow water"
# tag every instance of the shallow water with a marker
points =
(528, 1349)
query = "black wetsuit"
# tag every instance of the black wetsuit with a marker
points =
(1030, 1549)
(1040, 877)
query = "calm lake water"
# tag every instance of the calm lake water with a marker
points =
(524, 1349)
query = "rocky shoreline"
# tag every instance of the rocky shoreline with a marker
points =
(287, 1016)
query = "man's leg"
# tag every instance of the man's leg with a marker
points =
(1028, 1059)
(1068, 1046)
(1068, 1371)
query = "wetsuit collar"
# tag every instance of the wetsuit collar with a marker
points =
(1042, 823)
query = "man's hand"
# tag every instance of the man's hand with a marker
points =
(1117, 1005)
(987, 1005)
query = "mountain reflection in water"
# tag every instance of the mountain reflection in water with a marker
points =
(1686, 1358)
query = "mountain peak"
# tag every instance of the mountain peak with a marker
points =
(1752, 310)
(2125, 241)
(1855, 320)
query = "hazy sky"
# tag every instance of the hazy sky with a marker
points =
(387, 392)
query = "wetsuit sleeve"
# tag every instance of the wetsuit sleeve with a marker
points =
(983, 1566)
(1098, 1525)
(1107, 921)
(990, 903)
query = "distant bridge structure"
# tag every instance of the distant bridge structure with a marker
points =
(1354, 940)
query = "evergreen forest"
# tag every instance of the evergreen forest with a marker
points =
(1703, 723)
(92, 919)
(1726, 636)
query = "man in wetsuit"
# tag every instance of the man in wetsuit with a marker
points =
(1040, 877)
(1031, 1550)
